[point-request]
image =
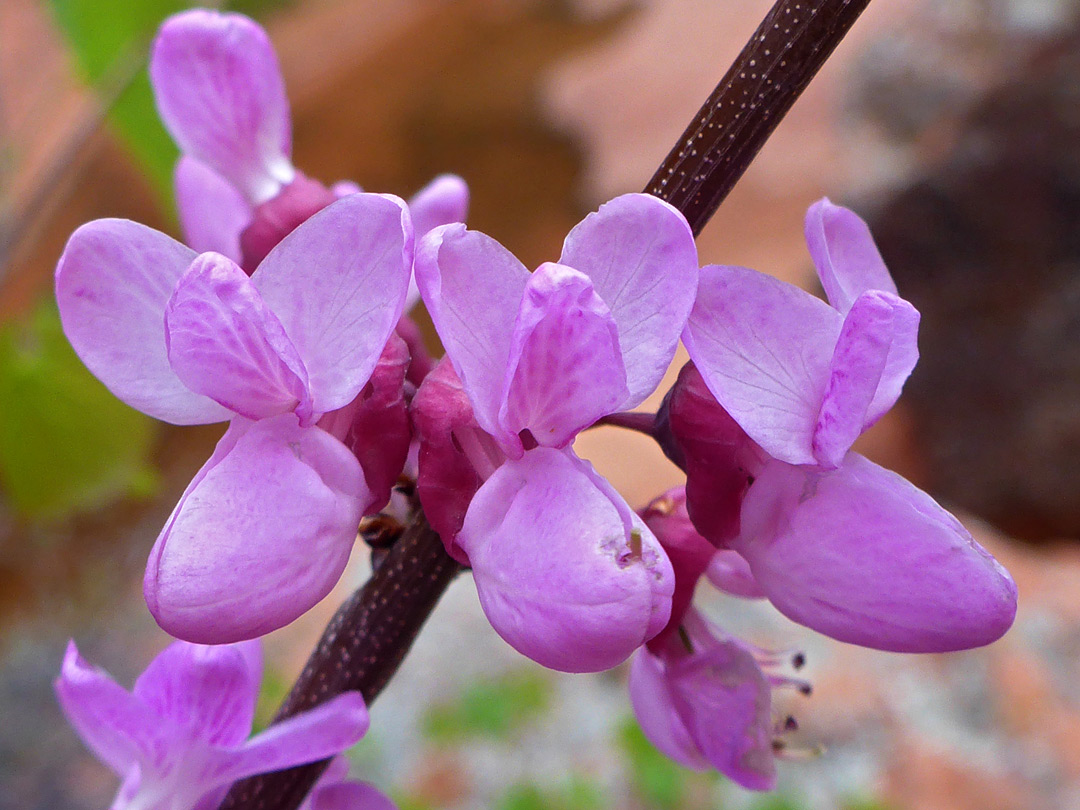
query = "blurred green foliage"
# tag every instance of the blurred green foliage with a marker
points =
(272, 692)
(577, 793)
(66, 442)
(657, 780)
(490, 708)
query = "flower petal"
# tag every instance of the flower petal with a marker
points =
(847, 260)
(210, 692)
(261, 534)
(441, 202)
(212, 212)
(224, 342)
(724, 700)
(763, 348)
(319, 733)
(730, 573)
(472, 287)
(338, 284)
(219, 91)
(903, 355)
(112, 284)
(855, 373)
(113, 723)
(656, 714)
(639, 252)
(559, 575)
(565, 369)
(862, 555)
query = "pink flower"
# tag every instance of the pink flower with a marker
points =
(219, 91)
(566, 573)
(265, 528)
(783, 385)
(180, 737)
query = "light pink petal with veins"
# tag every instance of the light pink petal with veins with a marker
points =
(337, 284)
(847, 260)
(472, 287)
(862, 555)
(224, 342)
(112, 284)
(262, 533)
(558, 574)
(763, 348)
(565, 370)
(209, 691)
(219, 91)
(212, 212)
(639, 252)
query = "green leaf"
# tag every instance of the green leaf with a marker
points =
(657, 780)
(491, 708)
(776, 803)
(66, 443)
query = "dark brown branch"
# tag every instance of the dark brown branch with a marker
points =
(360, 649)
(786, 51)
(371, 633)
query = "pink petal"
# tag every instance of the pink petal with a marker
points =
(640, 254)
(903, 355)
(343, 188)
(847, 260)
(730, 573)
(338, 284)
(472, 287)
(318, 733)
(116, 725)
(209, 692)
(655, 712)
(441, 202)
(724, 701)
(855, 372)
(455, 455)
(112, 284)
(349, 796)
(212, 212)
(224, 342)
(565, 370)
(763, 348)
(860, 554)
(219, 92)
(261, 534)
(375, 426)
(561, 576)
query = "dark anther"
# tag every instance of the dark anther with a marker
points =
(798, 660)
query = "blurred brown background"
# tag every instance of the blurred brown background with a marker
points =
(952, 126)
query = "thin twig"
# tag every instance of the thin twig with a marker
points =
(783, 55)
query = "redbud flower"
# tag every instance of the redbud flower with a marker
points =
(265, 528)
(835, 541)
(566, 573)
(180, 737)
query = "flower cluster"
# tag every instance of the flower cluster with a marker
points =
(284, 315)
